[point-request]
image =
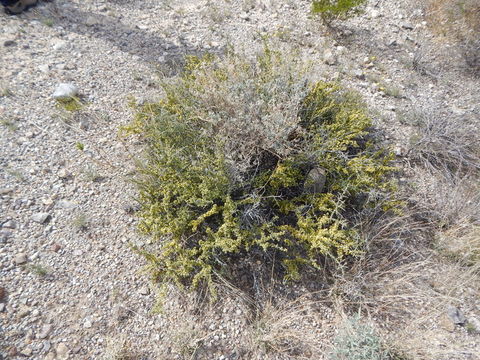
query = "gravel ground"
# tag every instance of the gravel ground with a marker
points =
(73, 287)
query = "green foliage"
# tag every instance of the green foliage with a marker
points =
(330, 10)
(228, 153)
(38, 269)
(72, 104)
(80, 146)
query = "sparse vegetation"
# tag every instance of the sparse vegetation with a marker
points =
(91, 173)
(9, 123)
(330, 10)
(80, 146)
(119, 348)
(444, 143)
(214, 190)
(276, 330)
(38, 269)
(80, 222)
(459, 21)
(17, 174)
(274, 222)
(5, 92)
(48, 22)
(73, 104)
(358, 340)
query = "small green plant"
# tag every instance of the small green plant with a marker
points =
(5, 92)
(80, 146)
(246, 158)
(17, 174)
(38, 269)
(330, 10)
(91, 173)
(392, 91)
(72, 104)
(471, 328)
(48, 22)
(9, 123)
(80, 222)
(358, 340)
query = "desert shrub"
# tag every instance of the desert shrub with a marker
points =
(330, 10)
(247, 158)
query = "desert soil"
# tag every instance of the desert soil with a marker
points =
(73, 287)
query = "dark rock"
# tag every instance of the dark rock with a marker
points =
(8, 43)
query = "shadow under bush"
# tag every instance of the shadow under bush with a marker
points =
(247, 161)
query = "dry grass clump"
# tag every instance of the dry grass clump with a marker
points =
(289, 330)
(119, 348)
(461, 244)
(445, 143)
(459, 20)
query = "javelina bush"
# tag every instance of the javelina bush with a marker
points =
(247, 158)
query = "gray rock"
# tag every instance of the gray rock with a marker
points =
(46, 330)
(10, 224)
(65, 204)
(407, 25)
(456, 315)
(65, 91)
(315, 181)
(62, 350)
(244, 16)
(2, 307)
(144, 291)
(359, 74)
(63, 173)
(77, 252)
(91, 20)
(5, 191)
(21, 259)
(41, 218)
(375, 13)
(329, 57)
(87, 324)
(27, 352)
(44, 68)
(5, 235)
(392, 42)
(59, 45)
(46, 346)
